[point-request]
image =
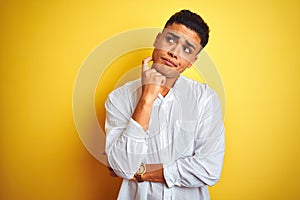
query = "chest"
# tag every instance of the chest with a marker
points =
(172, 130)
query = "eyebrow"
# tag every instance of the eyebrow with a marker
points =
(189, 44)
(174, 35)
(186, 41)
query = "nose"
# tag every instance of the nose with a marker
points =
(174, 52)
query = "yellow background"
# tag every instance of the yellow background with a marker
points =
(255, 45)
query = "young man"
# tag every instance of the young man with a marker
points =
(165, 135)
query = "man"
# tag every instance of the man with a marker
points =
(165, 135)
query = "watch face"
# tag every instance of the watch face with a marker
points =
(142, 169)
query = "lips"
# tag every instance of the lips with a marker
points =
(169, 62)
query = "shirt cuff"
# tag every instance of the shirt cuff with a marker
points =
(171, 174)
(135, 130)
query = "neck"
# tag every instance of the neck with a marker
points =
(164, 89)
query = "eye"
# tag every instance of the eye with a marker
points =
(170, 39)
(187, 50)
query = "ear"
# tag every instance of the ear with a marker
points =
(157, 39)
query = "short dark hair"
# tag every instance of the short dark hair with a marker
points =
(193, 21)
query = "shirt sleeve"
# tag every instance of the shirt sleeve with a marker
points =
(204, 167)
(126, 144)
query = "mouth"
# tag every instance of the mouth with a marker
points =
(168, 62)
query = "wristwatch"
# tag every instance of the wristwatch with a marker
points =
(140, 172)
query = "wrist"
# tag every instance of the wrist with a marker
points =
(141, 171)
(146, 101)
(154, 173)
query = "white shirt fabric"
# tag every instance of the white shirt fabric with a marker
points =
(186, 135)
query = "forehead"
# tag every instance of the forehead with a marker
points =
(184, 31)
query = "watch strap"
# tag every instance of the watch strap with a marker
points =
(139, 178)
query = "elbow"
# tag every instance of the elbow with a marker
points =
(124, 171)
(123, 174)
(213, 181)
(214, 178)
(117, 171)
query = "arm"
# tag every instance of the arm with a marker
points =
(124, 137)
(204, 167)
(151, 83)
(126, 142)
(155, 173)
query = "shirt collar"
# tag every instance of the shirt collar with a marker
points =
(170, 95)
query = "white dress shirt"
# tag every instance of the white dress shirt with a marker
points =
(186, 135)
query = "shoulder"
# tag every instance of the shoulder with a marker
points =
(194, 88)
(127, 88)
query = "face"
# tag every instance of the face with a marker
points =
(176, 48)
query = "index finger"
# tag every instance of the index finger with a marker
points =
(145, 65)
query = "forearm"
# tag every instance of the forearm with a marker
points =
(154, 173)
(197, 170)
(142, 112)
(151, 85)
